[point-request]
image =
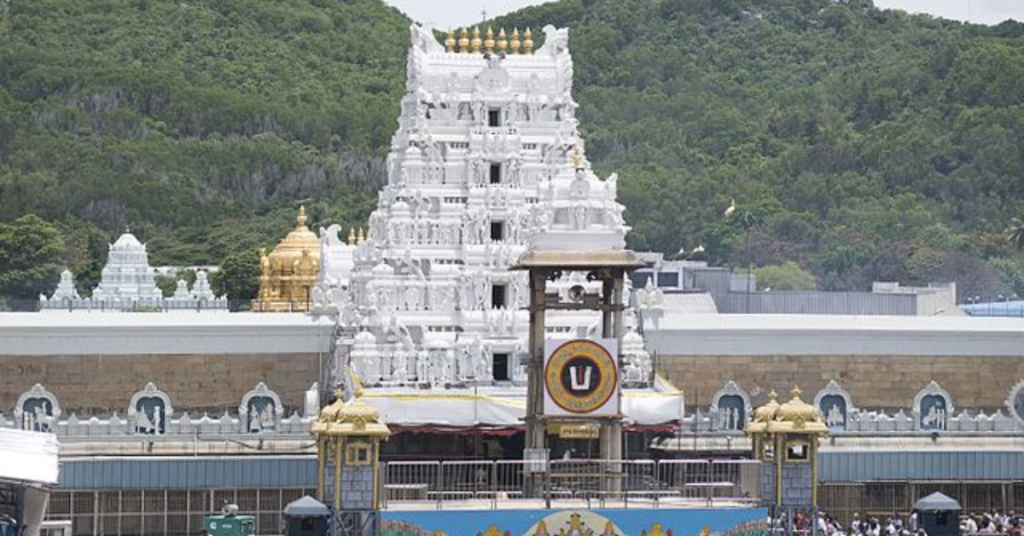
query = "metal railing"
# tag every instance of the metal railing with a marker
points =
(596, 483)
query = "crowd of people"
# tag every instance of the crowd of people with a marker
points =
(986, 524)
(991, 523)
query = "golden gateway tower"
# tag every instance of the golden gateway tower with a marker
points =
(287, 275)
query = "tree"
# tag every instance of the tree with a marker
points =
(1015, 233)
(31, 251)
(238, 278)
(785, 276)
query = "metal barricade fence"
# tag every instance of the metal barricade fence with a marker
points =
(587, 480)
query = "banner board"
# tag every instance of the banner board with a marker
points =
(581, 377)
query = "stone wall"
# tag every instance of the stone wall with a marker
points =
(872, 381)
(98, 384)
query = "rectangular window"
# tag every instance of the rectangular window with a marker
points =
(668, 279)
(494, 118)
(499, 364)
(798, 451)
(357, 454)
(498, 296)
(497, 231)
(495, 173)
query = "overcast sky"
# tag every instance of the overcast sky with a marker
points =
(454, 13)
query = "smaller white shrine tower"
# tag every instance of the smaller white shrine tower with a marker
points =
(127, 276)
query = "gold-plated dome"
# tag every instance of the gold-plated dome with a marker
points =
(353, 418)
(768, 411)
(793, 416)
(798, 411)
(287, 275)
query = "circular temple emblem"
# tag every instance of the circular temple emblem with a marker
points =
(580, 376)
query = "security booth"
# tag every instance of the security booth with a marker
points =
(306, 517)
(348, 436)
(939, 515)
(785, 439)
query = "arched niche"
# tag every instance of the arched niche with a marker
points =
(149, 411)
(260, 410)
(1015, 402)
(37, 409)
(730, 407)
(933, 408)
(835, 405)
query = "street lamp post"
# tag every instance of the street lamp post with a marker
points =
(748, 220)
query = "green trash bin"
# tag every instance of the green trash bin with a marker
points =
(230, 525)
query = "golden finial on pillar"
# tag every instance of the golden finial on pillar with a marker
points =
(301, 219)
(361, 237)
(351, 236)
(489, 42)
(502, 41)
(464, 41)
(476, 42)
(449, 42)
(514, 44)
(528, 42)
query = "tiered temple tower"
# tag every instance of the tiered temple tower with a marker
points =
(127, 277)
(487, 161)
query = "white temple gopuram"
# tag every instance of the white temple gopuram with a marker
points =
(128, 283)
(487, 162)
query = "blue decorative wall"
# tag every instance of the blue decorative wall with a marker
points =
(641, 522)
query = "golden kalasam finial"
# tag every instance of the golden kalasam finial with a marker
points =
(502, 41)
(489, 42)
(449, 42)
(772, 395)
(464, 41)
(796, 392)
(514, 44)
(301, 219)
(577, 158)
(351, 236)
(476, 42)
(528, 42)
(361, 237)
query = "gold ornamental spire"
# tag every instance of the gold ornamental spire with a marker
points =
(361, 237)
(464, 41)
(449, 42)
(502, 42)
(489, 42)
(301, 219)
(476, 42)
(528, 42)
(351, 236)
(515, 41)
(577, 158)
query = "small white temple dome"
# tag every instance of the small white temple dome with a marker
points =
(128, 242)
(632, 343)
(366, 338)
(400, 208)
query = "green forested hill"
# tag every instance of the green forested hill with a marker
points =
(869, 144)
(199, 124)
